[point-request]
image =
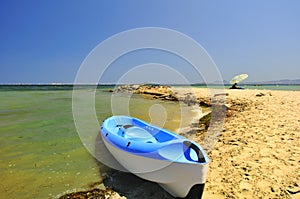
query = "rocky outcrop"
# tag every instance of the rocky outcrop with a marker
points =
(154, 91)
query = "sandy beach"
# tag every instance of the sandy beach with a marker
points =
(257, 154)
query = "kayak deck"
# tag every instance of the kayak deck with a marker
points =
(136, 136)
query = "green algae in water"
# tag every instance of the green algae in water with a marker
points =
(41, 153)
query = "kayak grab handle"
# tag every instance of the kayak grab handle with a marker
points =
(191, 145)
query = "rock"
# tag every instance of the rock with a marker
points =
(154, 91)
(204, 104)
(260, 94)
(221, 94)
(94, 193)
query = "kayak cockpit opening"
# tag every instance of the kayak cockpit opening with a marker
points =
(192, 152)
(136, 133)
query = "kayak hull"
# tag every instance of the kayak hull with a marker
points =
(165, 161)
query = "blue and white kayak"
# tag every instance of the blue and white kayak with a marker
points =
(177, 164)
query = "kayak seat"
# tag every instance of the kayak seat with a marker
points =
(137, 134)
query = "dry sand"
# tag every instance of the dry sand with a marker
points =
(258, 153)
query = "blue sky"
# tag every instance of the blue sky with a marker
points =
(47, 41)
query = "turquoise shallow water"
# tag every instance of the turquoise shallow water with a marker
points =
(41, 153)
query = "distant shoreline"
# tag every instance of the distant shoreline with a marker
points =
(113, 84)
(71, 86)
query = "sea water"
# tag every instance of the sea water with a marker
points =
(41, 153)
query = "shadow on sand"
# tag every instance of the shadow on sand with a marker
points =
(126, 184)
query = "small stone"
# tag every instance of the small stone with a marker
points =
(272, 189)
(260, 94)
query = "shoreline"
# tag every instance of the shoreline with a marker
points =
(257, 154)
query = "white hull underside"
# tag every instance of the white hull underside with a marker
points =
(175, 177)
